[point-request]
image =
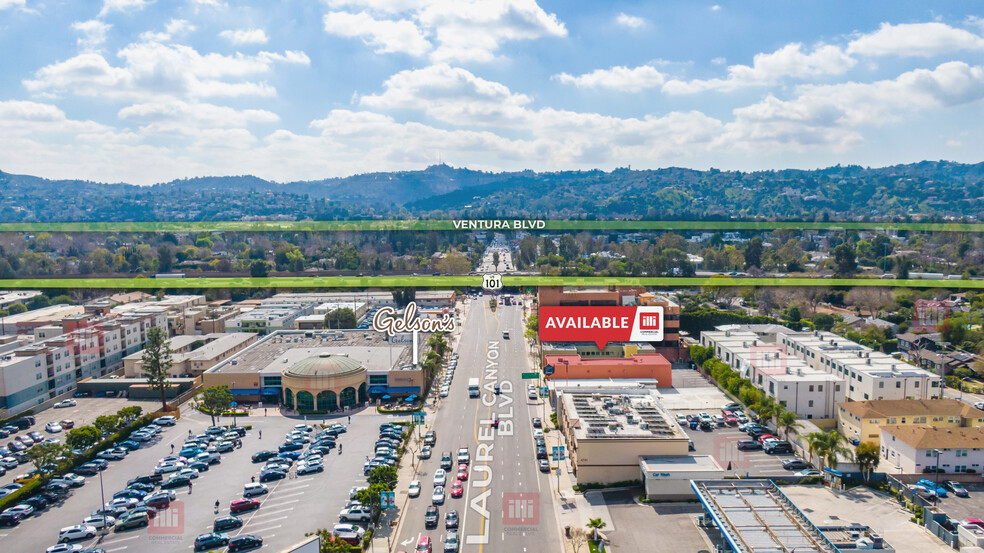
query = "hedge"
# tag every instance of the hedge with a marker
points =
(23, 493)
(600, 486)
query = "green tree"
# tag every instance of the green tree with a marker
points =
(767, 407)
(845, 264)
(6, 271)
(595, 525)
(16, 308)
(106, 424)
(902, 267)
(532, 331)
(495, 259)
(258, 268)
(165, 258)
(786, 422)
(568, 247)
(867, 458)
(823, 321)
(383, 475)
(216, 399)
(403, 296)
(157, 362)
(753, 253)
(129, 414)
(83, 437)
(341, 318)
(44, 457)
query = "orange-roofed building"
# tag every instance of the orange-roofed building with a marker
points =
(639, 365)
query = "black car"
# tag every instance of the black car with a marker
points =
(430, 516)
(242, 543)
(238, 430)
(211, 541)
(39, 503)
(140, 486)
(264, 455)
(200, 466)
(86, 470)
(446, 461)
(176, 482)
(320, 450)
(779, 448)
(147, 480)
(9, 519)
(749, 444)
(271, 475)
(226, 523)
(795, 464)
(706, 426)
(541, 453)
(290, 446)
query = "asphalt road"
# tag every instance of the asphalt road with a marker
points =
(490, 514)
(292, 508)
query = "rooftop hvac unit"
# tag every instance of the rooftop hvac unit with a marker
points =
(644, 425)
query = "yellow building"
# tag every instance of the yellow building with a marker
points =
(862, 420)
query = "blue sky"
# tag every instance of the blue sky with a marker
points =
(146, 91)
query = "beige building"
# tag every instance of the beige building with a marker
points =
(608, 430)
(211, 349)
(324, 383)
(864, 420)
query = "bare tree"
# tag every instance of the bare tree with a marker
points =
(579, 539)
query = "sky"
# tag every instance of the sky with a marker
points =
(147, 91)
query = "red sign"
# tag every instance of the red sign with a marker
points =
(601, 324)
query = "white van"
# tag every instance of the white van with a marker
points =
(249, 490)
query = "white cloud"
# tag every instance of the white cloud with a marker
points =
(829, 115)
(622, 78)
(954, 143)
(468, 30)
(209, 3)
(975, 21)
(790, 61)
(176, 116)
(154, 70)
(93, 33)
(716, 8)
(110, 6)
(173, 27)
(915, 40)
(7, 4)
(720, 60)
(385, 36)
(630, 21)
(245, 36)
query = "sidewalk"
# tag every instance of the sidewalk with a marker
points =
(391, 520)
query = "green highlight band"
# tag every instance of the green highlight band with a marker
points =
(450, 225)
(145, 283)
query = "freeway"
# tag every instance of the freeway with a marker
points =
(493, 517)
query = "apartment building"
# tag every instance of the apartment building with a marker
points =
(916, 449)
(193, 355)
(809, 393)
(862, 420)
(264, 319)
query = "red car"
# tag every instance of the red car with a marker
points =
(761, 439)
(462, 472)
(241, 505)
(456, 489)
(495, 422)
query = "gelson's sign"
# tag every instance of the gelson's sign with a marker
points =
(601, 324)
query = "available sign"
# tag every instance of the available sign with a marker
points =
(601, 324)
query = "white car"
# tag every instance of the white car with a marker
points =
(64, 548)
(440, 477)
(342, 529)
(189, 472)
(8, 463)
(53, 427)
(303, 427)
(166, 420)
(168, 466)
(75, 533)
(74, 480)
(307, 468)
(438, 497)
(537, 433)
(414, 489)
(445, 391)
(23, 510)
(65, 403)
(99, 521)
(338, 427)
(121, 503)
(249, 490)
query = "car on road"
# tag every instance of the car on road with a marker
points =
(74, 480)
(537, 422)
(457, 490)
(209, 457)
(451, 542)
(338, 427)
(114, 454)
(778, 447)
(226, 523)
(23, 510)
(253, 489)
(132, 519)
(149, 479)
(426, 452)
(88, 469)
(130, 493)
(451, 520)
(212, 540)
(921, 491)
(463, 456)
(462, 472)
(64, 548)
(9, 519)
(440, 477)
(795, 464)
(957, 488)
(53, 427)
(414, 489)
(761, 438)
(99, 521)
(430, 438)
(310, 466)
(357, 513)
(243, 505)
(187, 471)
(76, 533)
(541, 452)
(245, 542)
(544, 465)
(437, 498)
(446, 461)
(66, 403)
(290, 446)
(430, 516)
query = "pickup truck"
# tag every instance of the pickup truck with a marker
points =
(356, 513)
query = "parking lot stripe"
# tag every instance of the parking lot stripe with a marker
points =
(289, 487)
(264, 515)
(275, 519)
(282, 496)
(258, 530)
(282, 503)
(112, 541)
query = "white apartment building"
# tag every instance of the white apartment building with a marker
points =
(264, 319)
(868, 374)
(912, 449)
(807, 392)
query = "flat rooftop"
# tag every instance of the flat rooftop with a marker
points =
(679, 463)
(754, 516)
(280, 350)
(627, 414)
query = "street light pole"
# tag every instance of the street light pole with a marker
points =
(937, 475)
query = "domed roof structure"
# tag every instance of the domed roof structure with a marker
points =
(326, 364)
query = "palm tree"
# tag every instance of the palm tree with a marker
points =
(786, 422)
(596, 524)
(835, 447)
(767, 408)
(816, 443)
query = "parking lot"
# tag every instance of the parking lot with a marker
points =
(84, 412)
(722, 444)
(963, 507)
(292, 507)
(634, 524)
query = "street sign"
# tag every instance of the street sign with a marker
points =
(558, 453)
(387, 500)
(530, 376)
(418, 417)
(548, 370)
(544, 391)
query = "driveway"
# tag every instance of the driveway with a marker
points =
(640, 527)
